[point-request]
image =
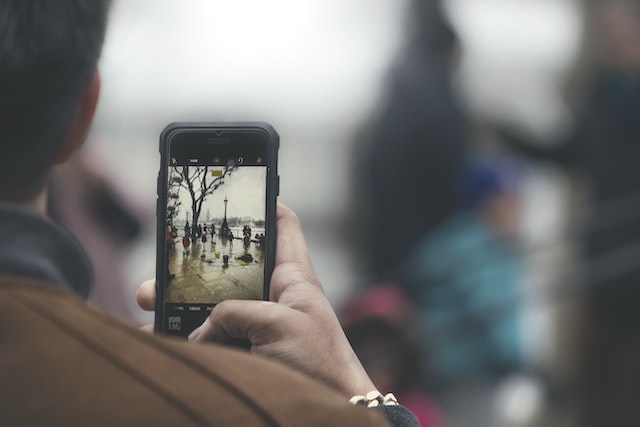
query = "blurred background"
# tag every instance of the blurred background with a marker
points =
(466, 173)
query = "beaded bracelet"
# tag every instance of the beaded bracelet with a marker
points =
(374, 398)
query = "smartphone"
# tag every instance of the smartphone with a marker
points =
(216, 215)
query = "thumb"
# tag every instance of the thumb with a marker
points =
(256, 321)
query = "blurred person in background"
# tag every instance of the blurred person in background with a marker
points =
(409, 156)
(381, 326)
(83, 199)
(465, 279)
(603, 151)
(438, 220)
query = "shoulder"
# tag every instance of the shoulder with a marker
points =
(67, 364)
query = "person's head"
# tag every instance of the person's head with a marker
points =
(489, 186)
(378, 322)
(434, 31)
(48, 86)
(619, 24)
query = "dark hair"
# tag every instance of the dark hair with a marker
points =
(48, 54)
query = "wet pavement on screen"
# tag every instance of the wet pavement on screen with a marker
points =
(201, 277)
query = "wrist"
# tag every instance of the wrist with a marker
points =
(356, 380)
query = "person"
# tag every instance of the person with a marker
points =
(473, 314)
(408, 157)
(66, 363)
(170, 242)
(381, 326)
(186, 244)
(601, 150)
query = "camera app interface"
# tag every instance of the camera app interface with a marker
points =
(215, 236)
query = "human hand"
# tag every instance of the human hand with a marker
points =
(297, 326)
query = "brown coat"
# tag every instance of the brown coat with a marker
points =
(63, 363)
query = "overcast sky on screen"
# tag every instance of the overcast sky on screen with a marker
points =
(244, 190)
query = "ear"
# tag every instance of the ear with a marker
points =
(82, 119)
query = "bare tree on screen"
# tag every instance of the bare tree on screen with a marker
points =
(200, 182)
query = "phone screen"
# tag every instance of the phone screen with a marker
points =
(216, 223)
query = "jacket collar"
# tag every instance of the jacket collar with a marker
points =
(35, 247)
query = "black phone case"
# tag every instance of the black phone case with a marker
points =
(272, 191)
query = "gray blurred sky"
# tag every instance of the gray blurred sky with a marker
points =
(313, 68)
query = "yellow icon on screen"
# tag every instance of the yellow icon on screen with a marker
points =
(216, 172)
